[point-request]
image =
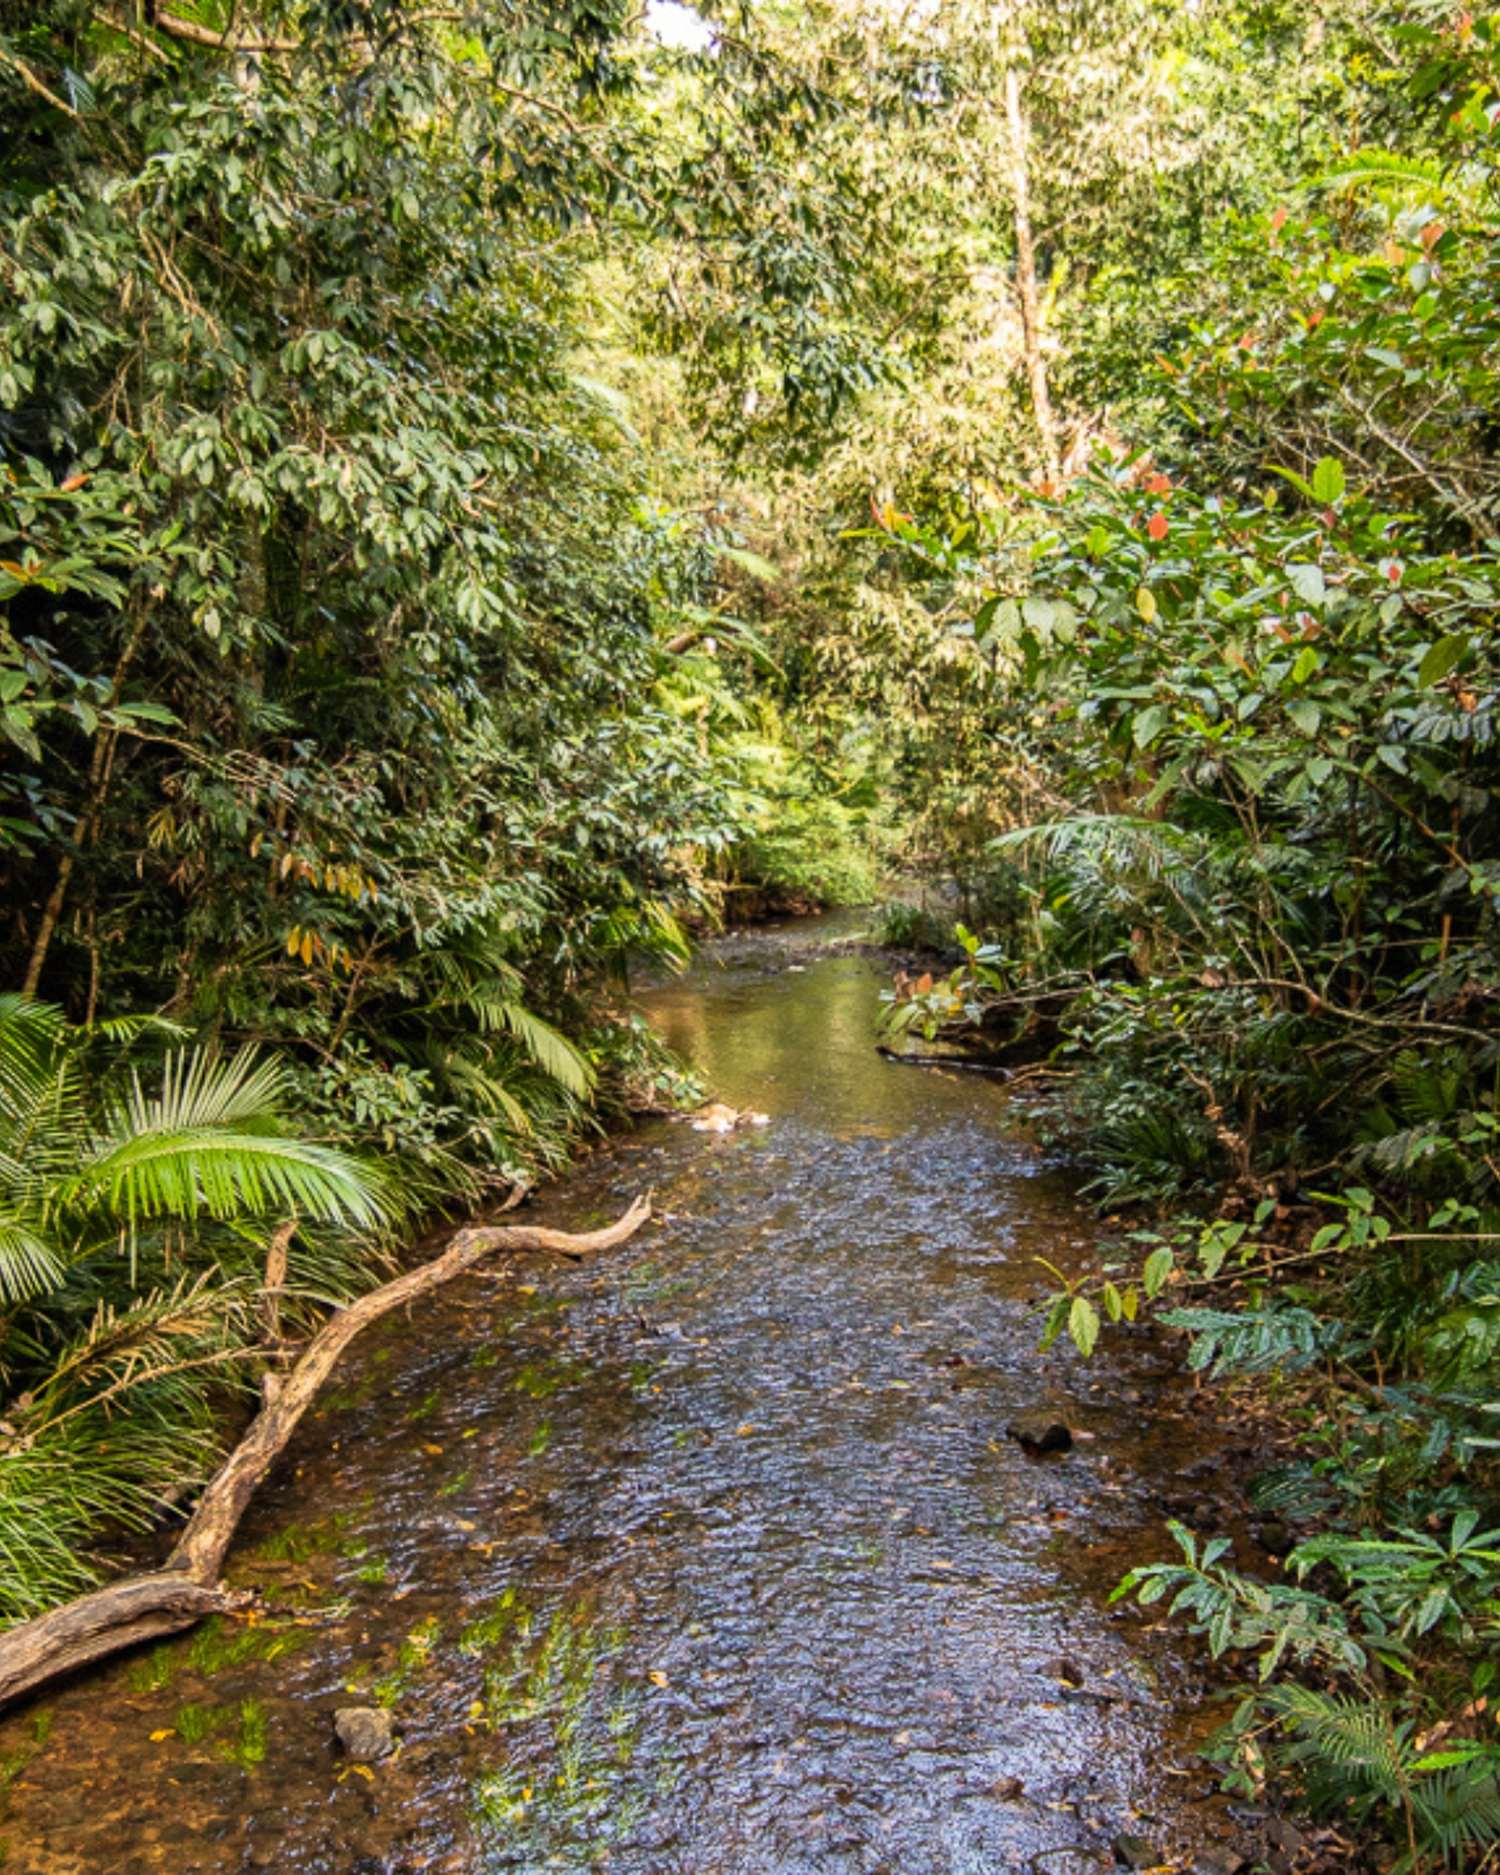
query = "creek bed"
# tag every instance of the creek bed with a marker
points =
(708, 1558)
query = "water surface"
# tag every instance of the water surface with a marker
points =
(708, 1558)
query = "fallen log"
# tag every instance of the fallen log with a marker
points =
(145, 1607)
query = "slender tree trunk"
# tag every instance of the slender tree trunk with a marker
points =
(275, 1283)
(87, 823)
(1019, 140)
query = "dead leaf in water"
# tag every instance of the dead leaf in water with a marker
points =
(658, 1678)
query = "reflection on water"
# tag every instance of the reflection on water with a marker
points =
(711, 1559)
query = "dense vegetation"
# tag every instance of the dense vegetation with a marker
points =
(351, 695)
(485, 487)
(1245, 702)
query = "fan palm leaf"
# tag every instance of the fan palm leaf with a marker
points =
(207, 1144)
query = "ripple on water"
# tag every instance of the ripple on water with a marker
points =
(713, 1558)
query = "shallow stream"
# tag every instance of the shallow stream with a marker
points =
(710, 1557)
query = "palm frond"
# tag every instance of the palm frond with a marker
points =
(1381, 167)
(199, 1090)
(29, 1264)
(210, 1171)
(208, 1144)
(552, 1052)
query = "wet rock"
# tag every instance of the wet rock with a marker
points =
(1284, 1837)
(1218, 1862)
(1040, 1432)
(1066, 1669)
(1135, 1851)
(1007, 1790)
(717, 1118)
(364, 1732)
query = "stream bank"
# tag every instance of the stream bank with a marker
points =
(712, 1558)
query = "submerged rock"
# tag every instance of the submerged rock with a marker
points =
(1135, 1851)
(1040, 1432)
(722, 1118)
(365, 1732)
(1008, 1790)
(1218, 1862)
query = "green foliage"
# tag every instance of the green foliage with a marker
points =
(331, 610)
(135, 1207)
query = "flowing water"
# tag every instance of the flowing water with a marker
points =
(711, 1557)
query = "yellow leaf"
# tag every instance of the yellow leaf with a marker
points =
(157, 1737)
(307, 947)
(476, 1711)
(293, 939)
(658, 1678)
(1145, 603)
(435, 1450)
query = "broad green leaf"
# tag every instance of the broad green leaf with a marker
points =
(1083, 1325)
(1306, 665)
(1328, 481)
(1305, 715)
(1158, 1268)
(1307, 582)
(1440, 658)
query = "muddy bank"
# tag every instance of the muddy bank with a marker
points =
(710, 1558)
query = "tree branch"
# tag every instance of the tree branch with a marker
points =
(141, 1608)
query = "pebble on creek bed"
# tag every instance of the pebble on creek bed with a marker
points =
(1041, 1432)
(365, 1732)
(1135, 1851)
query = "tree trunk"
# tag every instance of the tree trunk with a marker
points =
(100, 765)
(141, 1608)
(1019, 140)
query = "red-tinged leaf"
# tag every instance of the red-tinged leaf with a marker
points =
(1316, 319)
(73, 481)
(1278, 220)
(1157, 526)
(1158, 484)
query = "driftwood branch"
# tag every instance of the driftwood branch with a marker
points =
(141, 1608)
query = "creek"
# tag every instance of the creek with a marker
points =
(711, 1557)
